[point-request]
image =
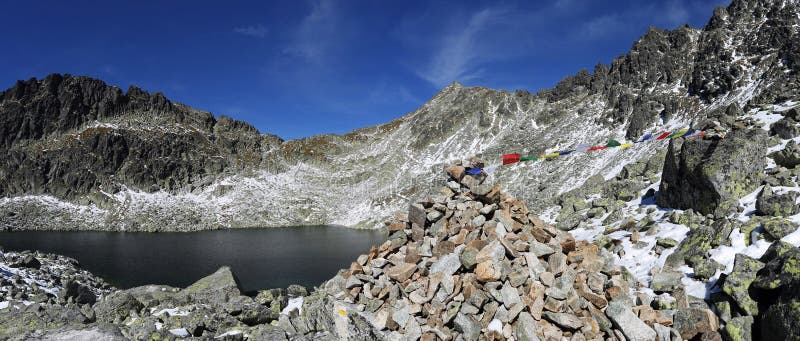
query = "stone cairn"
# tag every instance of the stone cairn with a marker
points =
(471, 262)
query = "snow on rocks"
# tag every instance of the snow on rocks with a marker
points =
(47, 278)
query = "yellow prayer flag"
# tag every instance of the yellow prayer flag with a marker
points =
(549, 156)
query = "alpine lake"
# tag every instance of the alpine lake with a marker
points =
(261, 258)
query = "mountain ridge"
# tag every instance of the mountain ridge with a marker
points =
(745, 56)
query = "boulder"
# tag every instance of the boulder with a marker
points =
(401, 272)
(468, 258)
(488, 271)
(219, 287)
(455, 172)
(691, 322)
(739, 329)
(781, 321)
(255, 314)
(710, 175)
(789, 157)
(524, 327)
(566, 321)
(117, 307)
(467, 326)
(786, 128)
(666, 281)
(417, 215)
(782, 269)
(623, 318)
(737, 284)
(28, 261)
(296, 290)
(793, 113)
(448, 264)
(267, 332)
(79, 293)
(105, 332)
(779, 227)
(153, 295)
(779, 205)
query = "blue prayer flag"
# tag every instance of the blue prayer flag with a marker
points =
(474, 171)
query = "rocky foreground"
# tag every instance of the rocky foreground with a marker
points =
(48, 297)
(468, 263)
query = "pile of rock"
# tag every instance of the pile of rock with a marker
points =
(472, 262)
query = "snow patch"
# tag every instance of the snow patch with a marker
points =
(171, 312)
(495, 326)
(294, 303)
(228, 333)
(180, 332)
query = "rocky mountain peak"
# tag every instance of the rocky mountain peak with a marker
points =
(746, 57)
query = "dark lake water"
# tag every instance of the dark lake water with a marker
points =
(260, 258)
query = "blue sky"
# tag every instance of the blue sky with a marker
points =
(300, 68)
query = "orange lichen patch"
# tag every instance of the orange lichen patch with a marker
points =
(389, 127)
(316, 145)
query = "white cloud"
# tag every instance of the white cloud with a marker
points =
(316, 33)
(255, 31)
(459, 53)
(601, 26)
(676, 13)
(459, 46)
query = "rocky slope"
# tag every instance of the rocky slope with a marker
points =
(88, 156)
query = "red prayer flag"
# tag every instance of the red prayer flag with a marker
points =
(510, 158)
(663, 136)
(597, 148)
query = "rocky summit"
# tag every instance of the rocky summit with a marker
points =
(92, 156)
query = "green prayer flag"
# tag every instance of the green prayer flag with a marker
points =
(613, 143)
(677, 133)
(528, 158)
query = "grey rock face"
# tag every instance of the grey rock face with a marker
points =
(106, 156)
(707, 175)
